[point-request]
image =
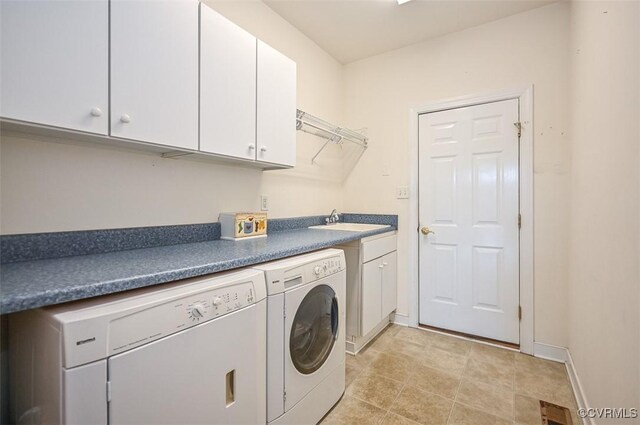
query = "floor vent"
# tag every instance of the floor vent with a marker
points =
(552, 414)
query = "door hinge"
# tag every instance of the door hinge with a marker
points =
(519, 127)
(519, 221)
(108, 391)
(519, 312)
(284, 396)
(284, 311)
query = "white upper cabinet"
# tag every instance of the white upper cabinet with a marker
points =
(54, 63)
(276, 114)
(227, 87)
(154, 71)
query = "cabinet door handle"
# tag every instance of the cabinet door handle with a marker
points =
(96, 112)
(125, 118)
(263, 149)
(251, 147)
(385, 264)
(381, 266)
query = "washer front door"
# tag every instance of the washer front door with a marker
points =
(314, 336)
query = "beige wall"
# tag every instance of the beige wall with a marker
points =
(529, 48)
(578, 58)
(604, 290)
(72, 186)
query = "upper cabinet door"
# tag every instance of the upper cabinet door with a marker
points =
(54, 63)
(276, 115)
(154, 71)
(227, 87)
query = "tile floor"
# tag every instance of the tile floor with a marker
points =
(409, 376)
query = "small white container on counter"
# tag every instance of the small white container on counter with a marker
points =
(239, 226)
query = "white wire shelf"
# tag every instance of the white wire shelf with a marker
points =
(334, 134)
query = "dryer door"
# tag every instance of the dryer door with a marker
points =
(212, 373)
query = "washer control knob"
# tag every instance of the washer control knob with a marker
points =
(216, 301)
(197, 312)
(317, 270)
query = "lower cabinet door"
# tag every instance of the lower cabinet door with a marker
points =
(371, 295)
(389, 283)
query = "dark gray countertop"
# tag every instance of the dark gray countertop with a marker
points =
(30, 284)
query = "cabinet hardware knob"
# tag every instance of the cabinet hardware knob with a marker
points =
(96, 112)
(125, 118)
(251, 147)
(385, 264)
(381, 266)
(425, 231)
(263, 149)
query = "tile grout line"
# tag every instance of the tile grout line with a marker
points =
(431, 345)
(404, 385)
(455, 397)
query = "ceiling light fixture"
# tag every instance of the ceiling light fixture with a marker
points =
(402, 1)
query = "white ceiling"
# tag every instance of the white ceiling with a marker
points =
(355, 29)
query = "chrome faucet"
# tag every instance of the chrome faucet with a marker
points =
(333, 217)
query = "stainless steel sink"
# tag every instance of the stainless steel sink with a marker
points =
(351, 227)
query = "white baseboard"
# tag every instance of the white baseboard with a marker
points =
(550, 352)
(562, 355)
(581, 398)
(400, 319)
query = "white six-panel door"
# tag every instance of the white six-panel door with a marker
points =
(468, 198)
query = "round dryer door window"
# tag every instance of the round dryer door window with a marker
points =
(314, 329)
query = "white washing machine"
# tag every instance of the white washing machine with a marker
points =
(190, 352)
(305, 336)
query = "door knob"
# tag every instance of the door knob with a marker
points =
(425, 230)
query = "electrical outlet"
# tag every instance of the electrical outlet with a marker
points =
(402, 192)
(264, 203)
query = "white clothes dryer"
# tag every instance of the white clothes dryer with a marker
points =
(305, 336)
(190, 352)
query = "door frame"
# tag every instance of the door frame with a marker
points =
(525, 96)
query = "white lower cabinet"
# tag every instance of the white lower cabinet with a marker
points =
(371, 295)
(371, 287)
(389, 283)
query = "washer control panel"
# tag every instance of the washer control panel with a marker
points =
(164, 319)
(322, 268)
